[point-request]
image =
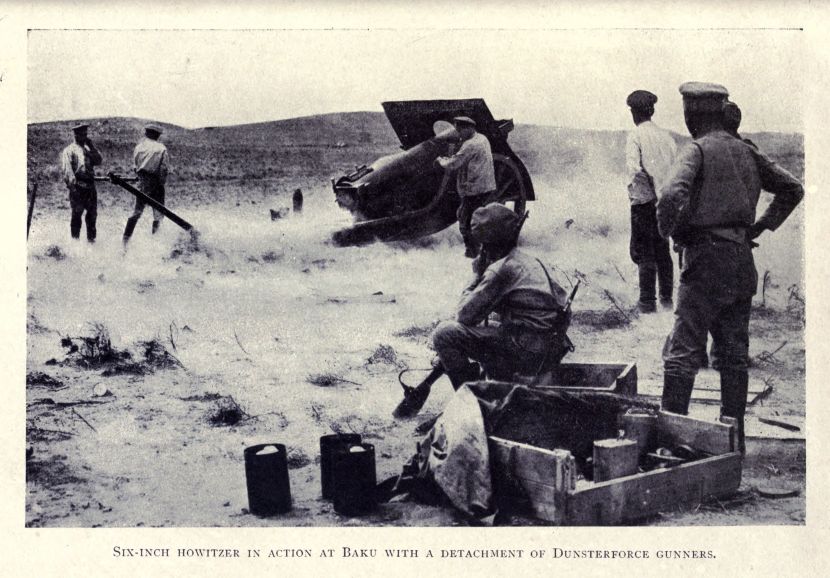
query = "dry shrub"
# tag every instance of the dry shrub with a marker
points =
(603, 230)
(157, 356)
(55, 252)
(271, 257)
(33, 325)
(608, 319)
(36, 434)
(417, 331)
(296, 458)
(38, 378)
(93, 351)
(327, 379)
(227, 412)
(386, 354)
(127, 368)
(796, 305)
(203, 397)
(50, 472)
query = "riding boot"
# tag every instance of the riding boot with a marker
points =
(648, 289)
(734, 385)
(665, 281)
(677, 393)
(128, 230)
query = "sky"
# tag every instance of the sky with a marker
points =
(573, 78)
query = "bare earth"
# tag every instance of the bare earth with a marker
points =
(307, 339)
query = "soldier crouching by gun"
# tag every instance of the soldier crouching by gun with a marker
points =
(532, 309)
(534, 314)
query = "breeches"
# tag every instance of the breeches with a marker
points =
(717, 283)
(153, 188)
(647, 246)
(83, 200)
(501, 354)
(467, 208)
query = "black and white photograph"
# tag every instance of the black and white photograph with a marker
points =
(444, 277)
(421, 280)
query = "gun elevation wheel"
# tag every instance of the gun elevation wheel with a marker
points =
(511, 189)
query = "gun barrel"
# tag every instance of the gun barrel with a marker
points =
(125, 179)
(120, 181)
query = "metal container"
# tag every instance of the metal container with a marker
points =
(354, 479)
(641, 428)
(297, 200)
(266, 474)
(328, 445)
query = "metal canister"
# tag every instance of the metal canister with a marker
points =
(297, 200)
(354, 479)
(328, 445)
(266, 474)
(641, 428)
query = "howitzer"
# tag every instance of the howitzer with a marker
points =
(124, 183)
(406, 195)
(414, 397)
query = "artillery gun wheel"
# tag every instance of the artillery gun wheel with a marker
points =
(509, 184)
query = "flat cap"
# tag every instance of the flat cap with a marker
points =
(703, 97)
(703, 90)
(464, 120)
(494, 224)
(80, 127)
(641, 99)
(153, 128)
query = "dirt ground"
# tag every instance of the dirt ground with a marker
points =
(267, 320)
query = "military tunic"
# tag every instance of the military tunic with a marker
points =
(529, 307)
(707, 206)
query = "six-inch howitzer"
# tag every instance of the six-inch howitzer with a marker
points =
(406, 195)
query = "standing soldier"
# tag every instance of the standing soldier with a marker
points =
(475, 176)
(708, 207)
(732, 121)
(78, 162)
(649, 154)
(151, 166)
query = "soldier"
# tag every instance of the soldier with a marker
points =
(475, 176)
(708, 206)
(78, 162)
(732, 121)
(649, 154)
(516, 286)
(151, 166)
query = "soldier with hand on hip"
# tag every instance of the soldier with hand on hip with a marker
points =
(708, 207)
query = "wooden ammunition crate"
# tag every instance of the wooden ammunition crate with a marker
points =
(543, 482)
(618, 378)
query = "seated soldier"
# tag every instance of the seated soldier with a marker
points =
(530, 335)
